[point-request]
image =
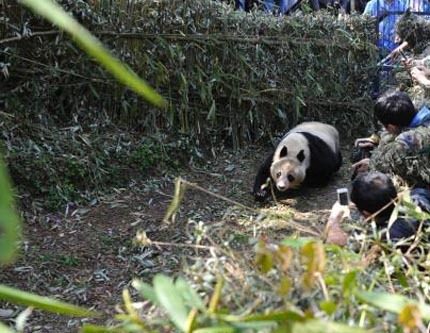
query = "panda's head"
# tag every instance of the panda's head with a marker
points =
(288, 170)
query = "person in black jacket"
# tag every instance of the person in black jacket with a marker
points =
(373, 193)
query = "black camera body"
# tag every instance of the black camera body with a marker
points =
(359, 153)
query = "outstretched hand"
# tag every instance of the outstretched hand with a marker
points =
(361, 166)
(421, 74)
(338, 212)
(334, 233)
(365, 142)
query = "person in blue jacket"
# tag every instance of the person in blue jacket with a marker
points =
(387, 12)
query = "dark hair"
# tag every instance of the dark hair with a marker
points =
(396, 108)
(373, 190)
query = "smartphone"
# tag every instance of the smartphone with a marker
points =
(343, 196)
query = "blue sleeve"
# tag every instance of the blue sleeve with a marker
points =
(371, 8)
(421, 197)
(402, 228)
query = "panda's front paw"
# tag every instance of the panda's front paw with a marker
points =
(261, 195)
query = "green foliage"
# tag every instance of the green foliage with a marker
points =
(187, 311)
(393, 303)
(73, 166)
(150, 154)
(229, 77)
(92, 46)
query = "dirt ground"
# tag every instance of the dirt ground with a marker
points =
(86, 255)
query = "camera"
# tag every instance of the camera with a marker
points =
(360, 153)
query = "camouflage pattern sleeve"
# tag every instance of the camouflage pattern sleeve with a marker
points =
(408, 156)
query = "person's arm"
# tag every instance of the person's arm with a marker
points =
(421, 75)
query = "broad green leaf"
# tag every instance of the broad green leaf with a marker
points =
(257, 326)
(296, 243)
(410, 317)
(171, 300)
(146, 291)
(349, 283)
(10, 224)
(328, 307)
(189, 294)
(92, 46)
(320, 326)
(274, 316)
(284, 286)
(392, 302)
(5, 329)
(17, 296)
(313, 257)
(217, 329)
(88, 328)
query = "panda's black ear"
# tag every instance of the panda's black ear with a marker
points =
(284, 152)
(301, 155)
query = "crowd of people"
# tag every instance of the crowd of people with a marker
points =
(285, 7)
(405, 134)
(386, 12)
(400, 150)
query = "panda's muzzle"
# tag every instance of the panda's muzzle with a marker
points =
(282, 186)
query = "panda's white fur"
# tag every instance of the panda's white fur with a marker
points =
(307, 153)
(325, 132)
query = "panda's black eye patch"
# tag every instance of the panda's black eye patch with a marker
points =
(283, 152)
(301, 155)
(291, 178)
(278, 174)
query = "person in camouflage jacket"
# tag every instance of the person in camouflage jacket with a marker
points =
(404, 149)
(407, 156)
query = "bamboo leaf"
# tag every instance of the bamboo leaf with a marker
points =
(10, 224)
(217, 329)
(320, 326)
(189, 294)
(5, 329)
(44, 303)
(216, 296)
(171, 300)
(88, 328)
(392, 302)
(146, 291)
(274, 316)
(93, 47)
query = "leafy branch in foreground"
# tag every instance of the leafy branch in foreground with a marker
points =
(10, 223)
(188, 312)
(44, 303)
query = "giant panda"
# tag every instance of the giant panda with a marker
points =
(307, 155)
